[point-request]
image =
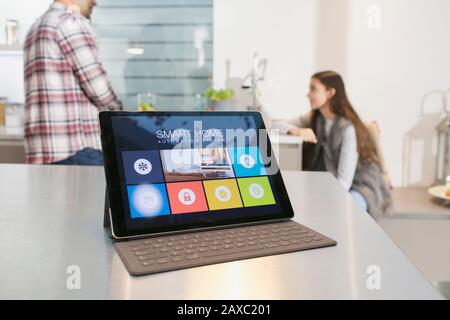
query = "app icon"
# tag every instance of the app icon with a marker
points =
(148, 200)
(247, 161)
(256, 191)
(222, 193)
(186, 196)
(142, 166)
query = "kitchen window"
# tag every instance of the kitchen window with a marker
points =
(162, 47)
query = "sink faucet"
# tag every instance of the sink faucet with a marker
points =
(255, 78)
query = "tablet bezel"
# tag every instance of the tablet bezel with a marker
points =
(117, 216)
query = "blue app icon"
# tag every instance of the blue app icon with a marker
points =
(148, 200)
(142, 167)
(247, 161)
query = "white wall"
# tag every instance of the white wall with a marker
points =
(11, 62)
(390, 70)
(25, 11)
(387, 71)
(11, 81)
(279, 31)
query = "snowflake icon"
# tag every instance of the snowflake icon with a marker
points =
(142, 166)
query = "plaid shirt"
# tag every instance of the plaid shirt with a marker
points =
(65, 87)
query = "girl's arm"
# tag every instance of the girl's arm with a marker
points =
(348, 159)
(297, 122)
(285, 126)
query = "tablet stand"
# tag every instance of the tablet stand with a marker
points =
(106, 218)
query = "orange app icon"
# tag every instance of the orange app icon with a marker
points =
(186, 197)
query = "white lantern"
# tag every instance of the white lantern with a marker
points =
(443, 151)
(443, 147)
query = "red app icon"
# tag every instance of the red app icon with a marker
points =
(186, 197)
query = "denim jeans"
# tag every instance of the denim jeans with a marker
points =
(359, 199)
(85, 157)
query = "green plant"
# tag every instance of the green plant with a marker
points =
(218, 95)
(146, 106)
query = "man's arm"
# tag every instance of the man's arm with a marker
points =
(77, 43)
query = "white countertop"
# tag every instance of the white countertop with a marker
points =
(286, 139)
(9, 48)
(51, 218)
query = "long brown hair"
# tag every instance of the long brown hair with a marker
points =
(341, 106)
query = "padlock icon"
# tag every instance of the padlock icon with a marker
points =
(186, 196)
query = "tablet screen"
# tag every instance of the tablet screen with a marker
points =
(182, 170)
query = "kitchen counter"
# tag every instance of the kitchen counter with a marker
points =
(289, 150)
(51, 222)
(12, 148)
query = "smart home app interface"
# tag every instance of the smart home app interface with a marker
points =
(187, 169)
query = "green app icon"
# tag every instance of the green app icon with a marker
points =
(256, 191)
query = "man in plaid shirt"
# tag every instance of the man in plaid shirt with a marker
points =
(65, 86)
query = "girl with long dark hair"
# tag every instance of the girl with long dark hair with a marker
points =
(336, 140)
